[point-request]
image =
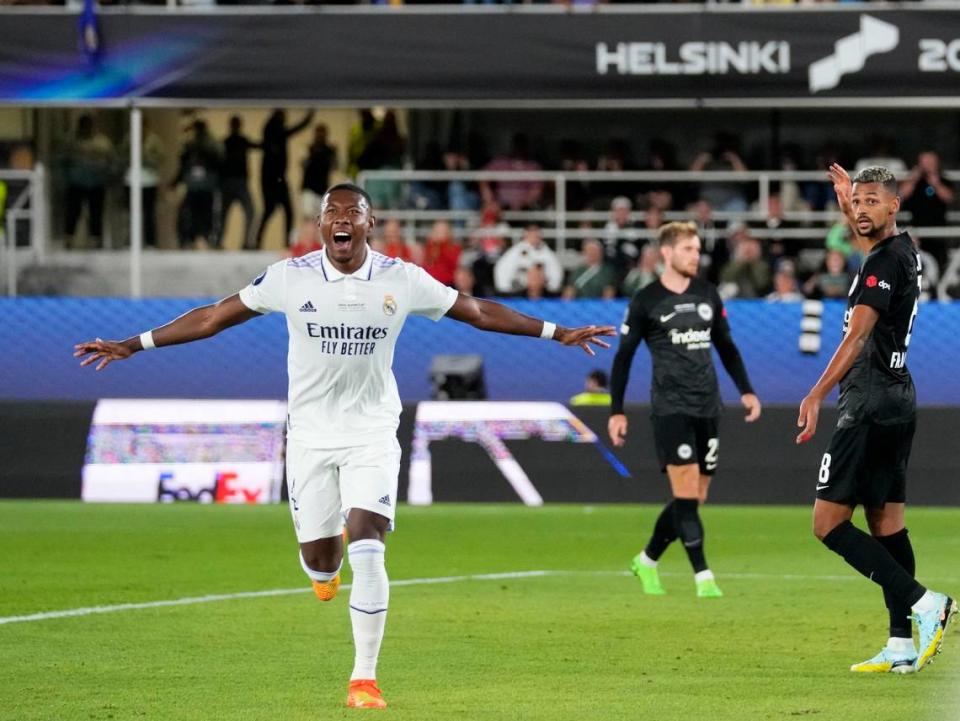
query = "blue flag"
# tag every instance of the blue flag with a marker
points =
(89, 28)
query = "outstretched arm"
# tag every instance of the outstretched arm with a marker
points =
(489, 315)
(862, 321)
(202, 322)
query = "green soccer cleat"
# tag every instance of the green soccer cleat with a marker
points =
(932, 626)
(648, 577)
(888, 661)
(708, 588)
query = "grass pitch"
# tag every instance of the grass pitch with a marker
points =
(581, 644)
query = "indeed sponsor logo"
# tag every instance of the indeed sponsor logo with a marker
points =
(695, 58)
(693, 339)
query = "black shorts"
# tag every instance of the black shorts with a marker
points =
(682, 440)
(866, 464)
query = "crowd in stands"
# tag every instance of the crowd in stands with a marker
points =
(478, 251)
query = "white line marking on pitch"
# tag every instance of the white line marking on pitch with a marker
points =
(91, 610)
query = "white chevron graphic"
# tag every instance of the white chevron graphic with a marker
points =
(850, 53)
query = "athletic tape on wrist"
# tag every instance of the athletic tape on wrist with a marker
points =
(146, 340)
(548, 330)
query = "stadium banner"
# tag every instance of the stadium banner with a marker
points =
(785, 57)
(250, 360)
(143, 451)
(562, 454)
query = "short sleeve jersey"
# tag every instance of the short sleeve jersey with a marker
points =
(678, 329)
(878, 387)
(343, 330)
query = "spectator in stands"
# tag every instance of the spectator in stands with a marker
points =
(394, 244)
(714, 254)
(646, 270)
(360, 136)
(594, 278)
(785, 288)
(320, 162)
(514, 194)
(461, 194)
(747, 275)
(596, 391)
(152, 158)
(384, 151)
(199, 170)
(831, 282)
(662, 157)
(926, 195)
(621, 239)
(235, 182)
(273, 170)
(616, 157)
(537, 284)
(463, 279)
(510, 272)
(881, 153)
(484, 249)
(724, 155)
(441, 253)
(819, 194)
(90, 164)
(573, 159)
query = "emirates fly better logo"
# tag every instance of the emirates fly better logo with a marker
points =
(850, 53)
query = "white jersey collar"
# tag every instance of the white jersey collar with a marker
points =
(331, 274)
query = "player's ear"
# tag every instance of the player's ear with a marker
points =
(895, 205)
(371, 224)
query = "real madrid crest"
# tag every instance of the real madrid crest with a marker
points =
(389, 305)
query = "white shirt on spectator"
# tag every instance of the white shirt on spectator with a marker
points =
(343, 329)
(510, 272)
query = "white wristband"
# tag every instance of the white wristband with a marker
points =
(146, 340)
(548, 330)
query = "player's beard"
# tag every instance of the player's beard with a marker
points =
(685, 270)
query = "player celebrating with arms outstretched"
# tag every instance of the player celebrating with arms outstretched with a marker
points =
(682, 318)
(866, 461)
(345, 306)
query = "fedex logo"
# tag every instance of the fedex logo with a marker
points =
(203, 486)
(230, 490)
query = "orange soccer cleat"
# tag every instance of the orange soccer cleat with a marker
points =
(363, 693)
(326, 590)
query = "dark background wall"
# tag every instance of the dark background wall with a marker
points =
(42, 448)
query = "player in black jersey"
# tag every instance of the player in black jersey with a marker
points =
(681, 318)
(866, 460)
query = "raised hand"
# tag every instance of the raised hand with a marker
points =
(842, 186)
(106, 351)
(584, 336)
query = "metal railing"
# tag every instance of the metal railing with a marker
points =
(558, 218)
(30, 203)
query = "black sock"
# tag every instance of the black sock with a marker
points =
(664, 533)
(898, 546)
(690, 530)
(869, 557)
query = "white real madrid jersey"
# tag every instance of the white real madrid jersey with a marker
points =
(343, 329)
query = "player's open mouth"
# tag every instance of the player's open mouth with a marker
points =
(341, 239)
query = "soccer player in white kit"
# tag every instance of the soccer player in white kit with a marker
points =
(345, 306)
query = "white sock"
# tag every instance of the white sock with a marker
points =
(927, 603)
(647, 561)
(901, 645)
(706, 575)
(320, 576)
(369, 597)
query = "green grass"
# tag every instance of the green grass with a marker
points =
(586, 645)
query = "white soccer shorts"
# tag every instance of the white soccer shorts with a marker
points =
(325, 483)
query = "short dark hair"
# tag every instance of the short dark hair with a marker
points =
(670, 233)
(353, 189)
(877, 174)
(598, 377)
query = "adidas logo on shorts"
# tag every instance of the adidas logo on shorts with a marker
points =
(385, 500)
(307, 308)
